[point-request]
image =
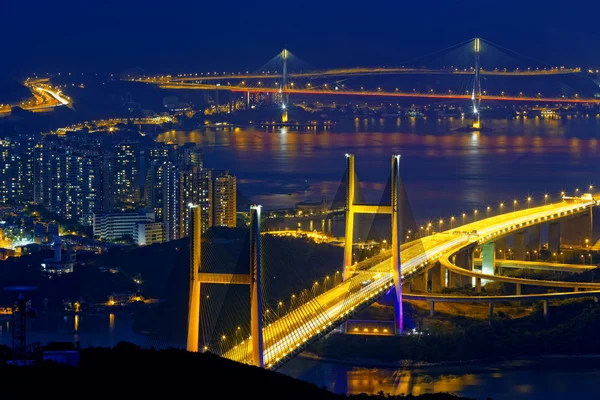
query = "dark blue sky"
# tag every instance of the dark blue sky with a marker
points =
(179, 36)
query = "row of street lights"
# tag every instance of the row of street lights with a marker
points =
(428, 229)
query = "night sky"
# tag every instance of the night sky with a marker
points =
(184, 36)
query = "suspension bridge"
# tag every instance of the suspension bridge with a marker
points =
(485, 71)
(427, 264)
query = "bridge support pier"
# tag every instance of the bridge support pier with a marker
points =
(576, 229)
(488, 258)
(419, 282)
(535, 237)
(491, 312)
(438, 280)
(464, 260)
(520, 245)
(546, 310)
(554, 236)
(431, 308)
(478, 285)
(518, 292)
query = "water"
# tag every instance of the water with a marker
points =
(546, 378)
(105, 330)
(446, 172)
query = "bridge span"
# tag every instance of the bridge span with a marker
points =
(287, 335)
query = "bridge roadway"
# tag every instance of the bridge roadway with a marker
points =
(361, 71)
(311, 91)
(540, 265)
(288, 334)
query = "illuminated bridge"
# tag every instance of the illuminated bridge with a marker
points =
(477, 65)
(441, 259)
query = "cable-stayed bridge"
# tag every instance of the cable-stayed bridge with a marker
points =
(475, 70)
(431, 262)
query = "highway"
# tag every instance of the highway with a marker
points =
(357, 72)
(540, 265)
(379, 93)
(45, 97)
(291, 332)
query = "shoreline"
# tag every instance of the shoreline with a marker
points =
(374, 363)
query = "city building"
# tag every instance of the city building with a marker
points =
(147, 233)
(157, 159)
(185, 181)
(60, 263)
(119, 225)
(125, 175)
(16, 169)
(223, 200)
(178, 193)
(69, 178)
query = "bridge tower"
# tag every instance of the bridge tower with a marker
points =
(476, 94)
(353, 208)
(197, 277)
(284, 87)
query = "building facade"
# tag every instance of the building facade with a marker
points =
(16, 169)
(147, 233)
(119, 225)
(224, 204)
(69, 179)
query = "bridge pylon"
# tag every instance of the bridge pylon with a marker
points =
(352, 208)
(197, 277)
(284, 86)
(476, 94)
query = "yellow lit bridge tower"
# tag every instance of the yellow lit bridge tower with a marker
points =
(476, 94)
(352, 208)
(284, 87)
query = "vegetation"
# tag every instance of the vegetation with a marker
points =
(131, 372)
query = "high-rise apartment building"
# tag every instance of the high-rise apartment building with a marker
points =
(69, 178)
(223, 200)
(125, 175)
(16, 169)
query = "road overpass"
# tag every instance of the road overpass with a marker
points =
(290, 333)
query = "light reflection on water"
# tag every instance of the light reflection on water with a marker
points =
(543, 378)
(465, 170)
(87, 329)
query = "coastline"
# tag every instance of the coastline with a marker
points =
(374, 363)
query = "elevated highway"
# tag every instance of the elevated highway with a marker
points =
(287, 335)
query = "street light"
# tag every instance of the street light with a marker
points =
(464, 216)
(501, 207)
(451, 222)
(487, 211)
(514, 205)
(441, 222)
(555, 258)
(582, 259)
(474, 215)
(546, 199)
(528, 201)
(528, 256)
(591, 187)
(428, 227)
